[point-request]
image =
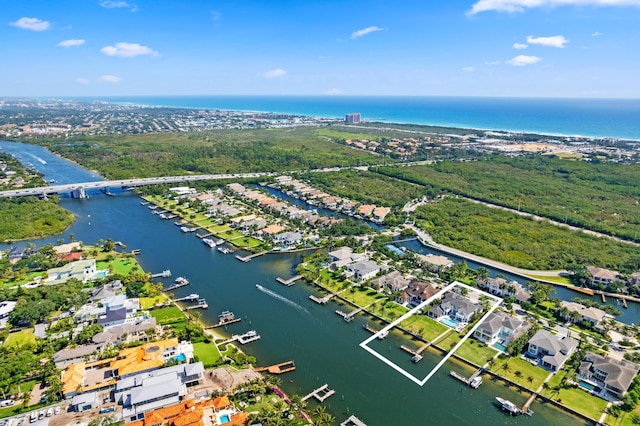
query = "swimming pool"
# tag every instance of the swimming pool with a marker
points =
(180, 358)
(588, 386)
(500, 347)
(449, 322)
(224, 419)
(100, 274)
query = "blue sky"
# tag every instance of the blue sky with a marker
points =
(541, 48)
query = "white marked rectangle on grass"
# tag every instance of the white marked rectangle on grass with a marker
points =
(365, 344)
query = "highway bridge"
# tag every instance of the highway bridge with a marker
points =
(123, 183)
(80, 188)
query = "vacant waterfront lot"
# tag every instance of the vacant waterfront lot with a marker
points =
(516, 240)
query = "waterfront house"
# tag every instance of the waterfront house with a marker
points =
(602, 276)
(82, 270)
(84, 402)
(185, 413)
(288, 238)
(269, 231)
(363, 270)
(342, 257)
(502, 328)
(500, 287)
(366, 209)
(106, 291)
(417, 292)
(456, 307)
(379, 213)
(551, 350)
(593, 316)
(435, 263)
(63, 249)
(613, 376)
(17, 253)
(149, 356)
(394, 281)
(125, 333)
(119, 310)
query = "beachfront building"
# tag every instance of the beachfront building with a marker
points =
(352, 118)
(455, 307)
(435, 263)
(501, 328)
(288, 238)
(611, 376)
(550, 350)
(342, 257)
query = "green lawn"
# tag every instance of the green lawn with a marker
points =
(559, 280)
(207, 353)
(120, 266)
(388, 310)
(425, 326)
(167, 315)
(477, 352)
(581, 401)
(525, 368)
(148, 302)
(362, 298)
(21, 338)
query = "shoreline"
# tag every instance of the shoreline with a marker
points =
(381, 120)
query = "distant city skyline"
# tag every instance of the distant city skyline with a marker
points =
(506, 48)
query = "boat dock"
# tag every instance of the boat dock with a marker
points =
(604, 299)
(322, 393)
(175, 286)
(164, 274)
(353, 421)
(525, 408)
(248, 337)
(370, 329)
(251, 256)
(221, 323)
(321, 300)
(202, 304)
(290, 281)
(283, 367)
(226, 317)
(465, 380)
(144, 203)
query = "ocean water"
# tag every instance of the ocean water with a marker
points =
(601, 118)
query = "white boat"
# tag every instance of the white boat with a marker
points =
(225, 250)
(209, 242)
(219, 242)
(248, 337)
(182, 280)
(476, 382)
(508, 406)
(185, 229)
(383, 334)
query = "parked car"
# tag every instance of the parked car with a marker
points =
(108, 410)
(56, 411)
(49, 412)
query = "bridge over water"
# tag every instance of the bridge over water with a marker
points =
(124, 183)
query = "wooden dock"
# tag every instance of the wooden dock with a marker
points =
(222, 323)
(352, 314)
(604, 299)
(251, 256)
(353, 421)
(525, 408)
(321, 300)
(370, 329)
(321, 394)
(290, 281)
(201, 236)
(175, 286)
(283, 367)
(466, 380)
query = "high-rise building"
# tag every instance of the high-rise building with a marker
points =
(352, 118)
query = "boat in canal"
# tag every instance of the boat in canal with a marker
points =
(182, 280)
(209, 242)
(476, 382)
(508, 406)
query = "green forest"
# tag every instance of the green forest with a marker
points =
(519, 241)
(224, 151)
(27, 217)
(603, 197)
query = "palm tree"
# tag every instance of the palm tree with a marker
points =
(518, 374)
(530, 380)
(545, 387)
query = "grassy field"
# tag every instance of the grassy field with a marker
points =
(362, 297)
(207, 353)
(509, 368)
(120, 266)
(20, 338)
(170, 315)
(148, 302)
(581, 401)
(471, 350)
(424, 326)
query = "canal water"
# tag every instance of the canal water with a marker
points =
(324, 347)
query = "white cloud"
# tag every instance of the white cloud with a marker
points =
(520, 46)
(511, 6)
(468, 69)
(278, 72)
(82, 80)
(333, 91)
(111, 4)
(522, 60)
(71, 43)
(492, 63)
(216, 15)
(109, 79)
(33, 24)
(128, 50)
(365, 31)
(553, 41)
(596, 34)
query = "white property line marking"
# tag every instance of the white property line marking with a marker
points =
(437, 296)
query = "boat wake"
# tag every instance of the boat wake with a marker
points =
(38, 158)
(282, 298)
